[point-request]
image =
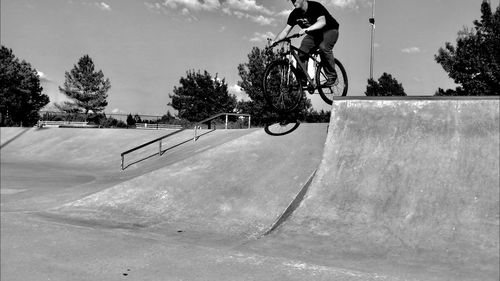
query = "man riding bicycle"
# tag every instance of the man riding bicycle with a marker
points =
(322, 32)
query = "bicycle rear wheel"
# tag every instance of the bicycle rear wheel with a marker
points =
(281, 128)
(282, 88)
(337, 89)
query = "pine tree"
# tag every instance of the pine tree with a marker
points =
(20, 92)
(86, 88)
(130, 120)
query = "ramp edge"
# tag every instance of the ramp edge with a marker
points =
(292, 206)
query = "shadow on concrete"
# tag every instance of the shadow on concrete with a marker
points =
(15, 137)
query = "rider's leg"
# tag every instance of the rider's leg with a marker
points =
(307, 44)
(326, 53)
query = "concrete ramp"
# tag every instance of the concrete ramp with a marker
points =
(406, 188)
(237, 189)
(84, 147)
(58, 165)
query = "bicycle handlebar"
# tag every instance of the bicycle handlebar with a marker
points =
(287, 39)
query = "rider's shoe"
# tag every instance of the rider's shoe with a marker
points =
(330, 82)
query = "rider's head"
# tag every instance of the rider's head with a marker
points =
(298, 3)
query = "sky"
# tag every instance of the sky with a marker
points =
(145, 46)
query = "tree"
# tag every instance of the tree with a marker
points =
(20, 92)
(474, 63)
(386, 86)
(137, 118)
(449, 92)
(86, 88)
(130, 120)
(200, 96)
(167, 118)
(314, 116)
(252, 73)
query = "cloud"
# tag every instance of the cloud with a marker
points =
(243, 9)
(262, 37)
(153, 7)
(411, 50)
(42, 76)
(284, 13)
(238, 92)
(117, 111)
(262, 20)
(346, 4)
(196, 5)
(259, 19)
(247, 6)
(100, 5)
(103, 6)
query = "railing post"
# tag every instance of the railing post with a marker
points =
(226, 121)
(123, 156)
(159, 153)
(249, 118)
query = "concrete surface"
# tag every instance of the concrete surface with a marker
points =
(404, 189)
(236, 189)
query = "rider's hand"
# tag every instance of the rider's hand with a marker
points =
(303, 31)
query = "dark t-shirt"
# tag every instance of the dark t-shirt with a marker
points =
(309, 17)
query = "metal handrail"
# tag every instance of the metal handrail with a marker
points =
(217, 116)
(159, 140)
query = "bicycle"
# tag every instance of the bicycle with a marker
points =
(284, 90)
(283, 87)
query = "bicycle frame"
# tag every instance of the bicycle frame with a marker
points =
(288, 61)
(294, 52)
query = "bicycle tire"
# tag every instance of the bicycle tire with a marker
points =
(281, 128)
(282, 88)
(338, 89)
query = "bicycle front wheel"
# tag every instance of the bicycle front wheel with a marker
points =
(339, 88)
(281, 128)
(282, 88)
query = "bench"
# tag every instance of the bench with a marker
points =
(56, 124)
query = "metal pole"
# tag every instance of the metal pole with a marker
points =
(372, 21)
(226, 121)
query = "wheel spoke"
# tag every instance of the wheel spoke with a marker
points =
(281, 87)
(339, 88)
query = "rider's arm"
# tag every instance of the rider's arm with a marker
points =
(319, 24)
(282, 34)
